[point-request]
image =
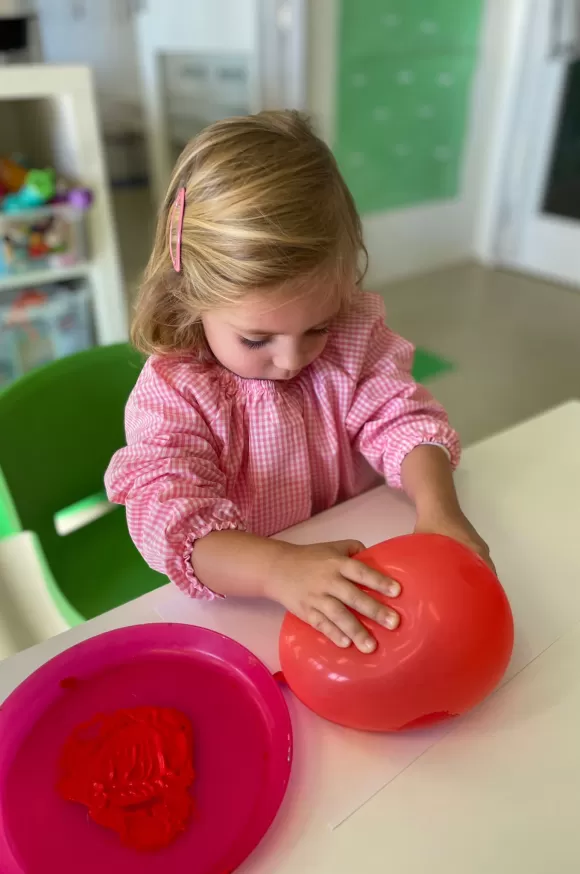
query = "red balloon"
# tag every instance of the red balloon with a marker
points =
(449, 652)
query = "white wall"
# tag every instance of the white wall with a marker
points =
(199, 25)
(14, 8)
(418, 239)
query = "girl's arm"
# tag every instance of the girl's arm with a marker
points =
(168, 476)
(400, 428)
(390, 414)
(316, 583)
(427, 478)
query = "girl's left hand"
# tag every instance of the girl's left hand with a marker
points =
(456, 526)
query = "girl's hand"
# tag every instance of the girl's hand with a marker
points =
(318, 584)
(456, 526)
(428, 480)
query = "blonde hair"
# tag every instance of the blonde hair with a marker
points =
(264, 204)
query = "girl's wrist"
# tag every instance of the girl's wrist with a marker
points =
(272, 575)
(428, 480)
(238, 563)
(437, 504)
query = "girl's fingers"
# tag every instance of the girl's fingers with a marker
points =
(359, 573)
(348, 547)
(364, 604)
(349, 624)
(323, 624)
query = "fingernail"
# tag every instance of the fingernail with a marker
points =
(344, 641)
(391, 621)
(369, 645)
(394, 589)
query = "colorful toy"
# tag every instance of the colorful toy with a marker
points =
(79, 198)
(12, 175)
(46, 240)
(52, 235)
(22, 189)
(38, 188)
(14, 249)
(450, 651)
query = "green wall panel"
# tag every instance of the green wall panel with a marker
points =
(404, 82)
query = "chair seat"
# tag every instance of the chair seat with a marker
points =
(98, 568)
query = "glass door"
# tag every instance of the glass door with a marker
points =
(562, 190)
(540, 232)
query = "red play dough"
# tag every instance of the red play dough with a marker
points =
(132, 769)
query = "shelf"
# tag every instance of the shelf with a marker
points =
(55, 121)
(44, 277)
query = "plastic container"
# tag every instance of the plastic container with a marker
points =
(50, 237)
(8, 357)
(38, 325)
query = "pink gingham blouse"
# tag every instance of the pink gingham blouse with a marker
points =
(207, 450)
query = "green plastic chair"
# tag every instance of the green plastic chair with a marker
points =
(59, 427)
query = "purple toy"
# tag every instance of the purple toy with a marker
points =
(79, 198)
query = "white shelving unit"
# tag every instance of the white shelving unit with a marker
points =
(43, 277)
(48, 113)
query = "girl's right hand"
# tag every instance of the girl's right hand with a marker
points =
(320, 584)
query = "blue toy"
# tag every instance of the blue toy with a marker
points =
(39, 187)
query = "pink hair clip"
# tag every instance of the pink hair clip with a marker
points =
(179, 205)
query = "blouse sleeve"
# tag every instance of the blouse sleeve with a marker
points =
(168, 476)
(390, 414)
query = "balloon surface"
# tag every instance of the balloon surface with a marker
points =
(449, 652)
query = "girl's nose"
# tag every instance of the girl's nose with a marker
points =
(290, 358)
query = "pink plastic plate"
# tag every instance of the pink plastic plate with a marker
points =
(242, 747)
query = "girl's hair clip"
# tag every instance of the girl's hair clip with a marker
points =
(179, 205)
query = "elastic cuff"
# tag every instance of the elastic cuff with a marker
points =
(192, 586)
(450, 446)
(440, 445)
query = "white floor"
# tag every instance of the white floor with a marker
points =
(135, 221)
(515, 342)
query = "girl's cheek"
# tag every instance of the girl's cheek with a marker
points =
(320, 346)
(251, 359)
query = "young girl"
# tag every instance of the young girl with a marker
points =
(271, 376)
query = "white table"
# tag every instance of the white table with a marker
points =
(499, 790)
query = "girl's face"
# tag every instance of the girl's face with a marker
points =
(266, 336)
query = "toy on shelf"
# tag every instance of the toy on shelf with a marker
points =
(38, 325)
(41, 219)
(38, 188)
(23, 188)
(46, 239)
(79, 198)
(12, 175)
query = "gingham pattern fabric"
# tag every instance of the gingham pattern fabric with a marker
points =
(208, 451)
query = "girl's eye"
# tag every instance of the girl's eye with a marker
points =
(253, 344)
(259, 344)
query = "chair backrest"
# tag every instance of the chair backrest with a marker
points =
(59, 427)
